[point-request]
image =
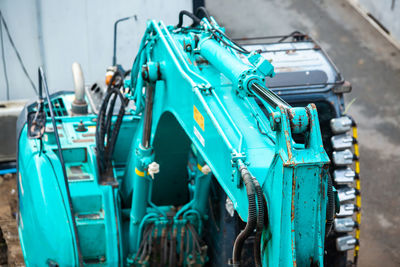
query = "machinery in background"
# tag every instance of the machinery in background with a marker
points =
(188, 159)
(305, 73)
(9, 112)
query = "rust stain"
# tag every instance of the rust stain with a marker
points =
(83, 140)
(289, 147)
(202, 61)
(309, 119)
(322, 187)
(88, 135)
(294, 252)
(293, 196)
(322, 184)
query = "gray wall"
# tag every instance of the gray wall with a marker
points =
(387, 12)
(57, 33)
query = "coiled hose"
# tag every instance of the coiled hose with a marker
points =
(106, 133)
(252, 216)
(260, 222)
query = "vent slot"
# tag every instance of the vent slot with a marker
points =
(58, 108)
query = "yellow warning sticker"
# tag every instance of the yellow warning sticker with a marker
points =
(198, 117)
(140, 173)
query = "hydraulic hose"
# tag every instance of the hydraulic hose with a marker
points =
(260, 222)
(195, 19)
(105, 131)
(330, 211)
(205, 13)
(172, 252)
(252, 216)
(101, 131)
(112, 139)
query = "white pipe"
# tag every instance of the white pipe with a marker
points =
(79, 83)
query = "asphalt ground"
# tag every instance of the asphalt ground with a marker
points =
(372, 65)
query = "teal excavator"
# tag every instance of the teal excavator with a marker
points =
(188, 159)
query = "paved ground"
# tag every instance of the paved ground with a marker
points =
(373, 67)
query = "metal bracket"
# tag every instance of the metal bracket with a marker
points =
(36, 122)
(151, 71)
(205, 88)
(235, 173)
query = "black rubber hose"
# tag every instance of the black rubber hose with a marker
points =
(103, 124)
(260, 222)
(181, 241)
(100, 132)
(196, 237)
(290, 35)
(140, 254)
(195, 19)
(117, 125)
(172, 254)
(100, 124)
(205, 12)
(236, 46)
(164, 245)
(110, 111)
(106, 134)
(330, 211)
(105, 148)
(136, 67)
(252, 216)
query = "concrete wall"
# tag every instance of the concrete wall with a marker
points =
(387, 12)
(57, 33)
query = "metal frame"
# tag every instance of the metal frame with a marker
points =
(43, 83)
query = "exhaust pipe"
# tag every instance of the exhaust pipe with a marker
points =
(79, 105)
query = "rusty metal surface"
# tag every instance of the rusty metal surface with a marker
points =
(372, 65)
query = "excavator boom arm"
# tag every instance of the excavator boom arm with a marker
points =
(214, 96)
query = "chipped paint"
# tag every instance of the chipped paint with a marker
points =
(293, 209)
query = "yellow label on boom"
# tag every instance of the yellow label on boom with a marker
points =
(198, 117)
